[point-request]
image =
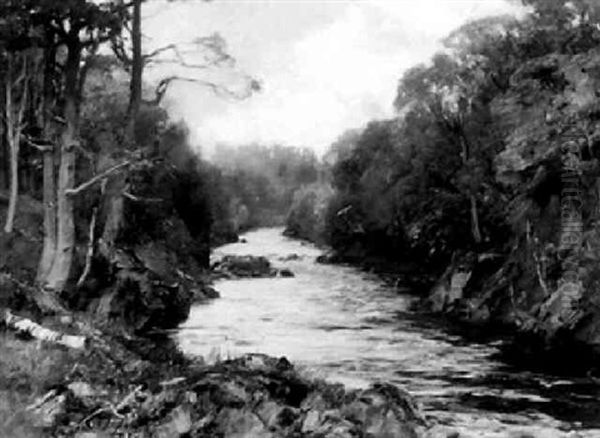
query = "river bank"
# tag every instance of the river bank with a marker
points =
(474, 293)
(137, 387)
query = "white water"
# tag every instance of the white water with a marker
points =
(347, 326)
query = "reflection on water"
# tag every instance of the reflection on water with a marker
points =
(348, 326)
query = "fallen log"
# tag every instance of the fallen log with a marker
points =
(24, 325)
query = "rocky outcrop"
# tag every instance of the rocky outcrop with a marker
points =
(543, 280)
(234, 266)
(147, 285)
(249, 397)
(247, 266)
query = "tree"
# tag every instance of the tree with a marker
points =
(445, 91)
(16, 84)
(214, 55)
(80, 27)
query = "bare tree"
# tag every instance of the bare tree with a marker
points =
(196, 57)
(15, 94)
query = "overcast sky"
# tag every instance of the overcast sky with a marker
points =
(326, 66)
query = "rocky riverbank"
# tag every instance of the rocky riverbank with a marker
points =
(501, 293)
(117, 381)
(131, 386)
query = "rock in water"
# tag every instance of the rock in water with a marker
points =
(286, 273)
(244, 266)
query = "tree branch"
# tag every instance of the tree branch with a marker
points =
(42, 147)
(97, 178)
(141, 199)
(90, 249)
(163, 85)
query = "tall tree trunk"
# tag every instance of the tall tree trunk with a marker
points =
(5, 155)
(13, 153)
(118, 183)
(14, 122)
(137, 67)
(475, 229)
(49, 177)
(14, 188)
(49, 196)
(65, 241)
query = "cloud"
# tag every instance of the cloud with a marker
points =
(325, 70)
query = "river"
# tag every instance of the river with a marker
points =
(348, 326)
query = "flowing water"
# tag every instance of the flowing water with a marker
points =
(348, 326)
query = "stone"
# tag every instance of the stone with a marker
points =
(180, 423)
(236, 392)
(387, 425)
(269, 412)
(314, 401)
(290, 257)
(312, 421)
(262, 362)
(384, 411)
(286, 273)
(446, 293)
(47, 413)
(241, 423)
(66, 319)
(81, 389)
(244, 266)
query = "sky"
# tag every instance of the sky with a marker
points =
(325, 66)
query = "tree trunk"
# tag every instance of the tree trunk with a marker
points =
(114, 214)
(65, 241)
(14, 120)
(116, 185)
(5, 156)
(49, 189)
(137, 67)
(475, 231)
(49, 195)
(14, 186)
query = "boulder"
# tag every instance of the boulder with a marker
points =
(48, 409)
(384, 411)
(241, 423)
(244, 266)
(448, 290)
(290, 257)
(179, 423)
(286, 273)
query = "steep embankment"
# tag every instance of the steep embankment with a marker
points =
(545, 281)
(148, 280)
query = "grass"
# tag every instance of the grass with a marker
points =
(27, 370)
